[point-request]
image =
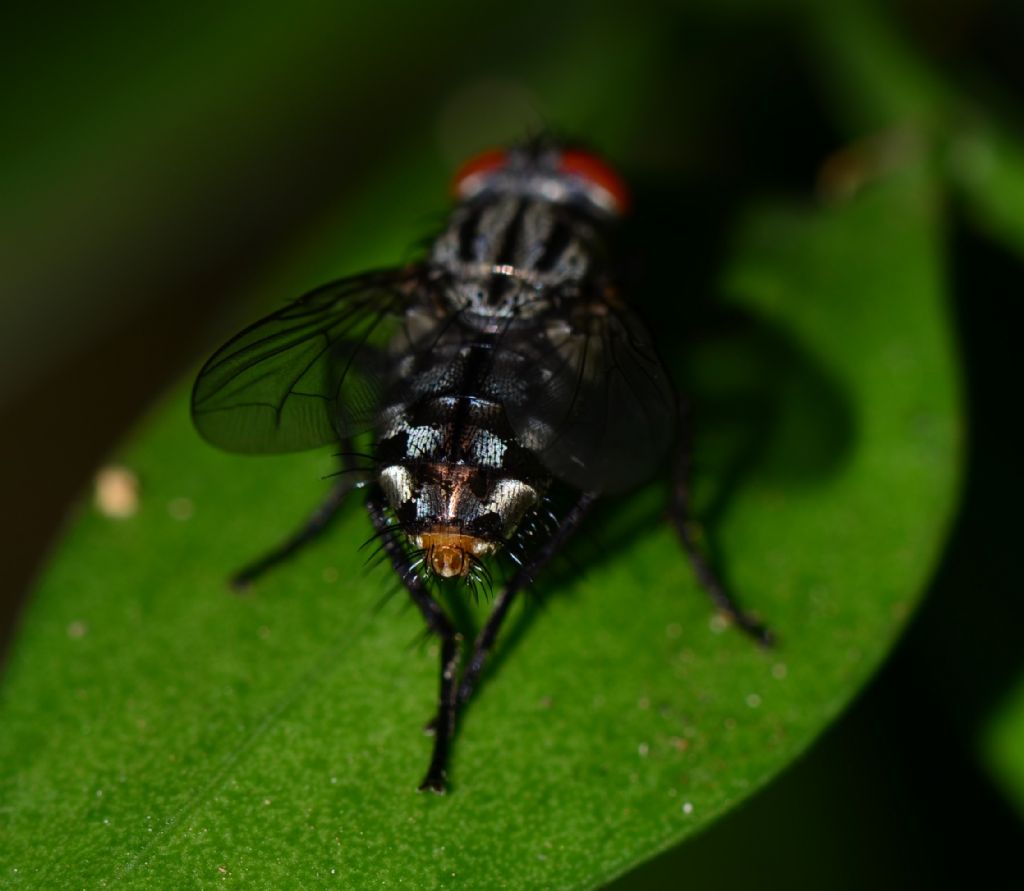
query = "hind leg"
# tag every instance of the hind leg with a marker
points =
(681, 515)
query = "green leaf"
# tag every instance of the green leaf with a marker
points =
(1002, 746)
(878, 80)
(161, 732)
(988, 167)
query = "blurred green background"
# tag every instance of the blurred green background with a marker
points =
(159, 159)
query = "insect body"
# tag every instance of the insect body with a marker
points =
(501, 365)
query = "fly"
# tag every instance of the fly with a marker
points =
(503, 364)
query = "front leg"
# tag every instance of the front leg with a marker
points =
(439, 624)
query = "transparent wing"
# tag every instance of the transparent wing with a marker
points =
(599, 409)
(307, 374)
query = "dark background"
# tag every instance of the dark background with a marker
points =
(155, 158)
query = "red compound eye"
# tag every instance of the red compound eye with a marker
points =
(596, 173)
(470, 176)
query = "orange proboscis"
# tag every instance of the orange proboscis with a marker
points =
(450, 553)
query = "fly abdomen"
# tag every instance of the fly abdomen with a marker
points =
(456, 478)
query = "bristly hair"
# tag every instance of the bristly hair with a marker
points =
(538, 525)
(391, 535)
(393, 527)
(350, 454)
(479, 576)
(478, 579)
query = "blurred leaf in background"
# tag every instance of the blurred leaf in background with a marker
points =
(165, 162)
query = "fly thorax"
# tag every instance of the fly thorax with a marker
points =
(506, 257)
(488, 300)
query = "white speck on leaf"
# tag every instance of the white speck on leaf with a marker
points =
(181, 508)
(116, 492)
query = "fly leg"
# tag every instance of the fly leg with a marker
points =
(523, 578)
(680, 513)
(311, 529)
(439, 624)
(317, 522)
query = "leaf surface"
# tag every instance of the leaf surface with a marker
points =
(157, 731)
